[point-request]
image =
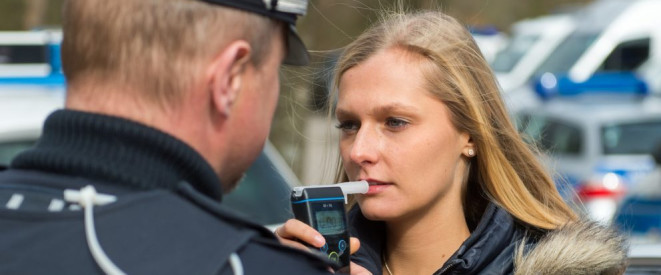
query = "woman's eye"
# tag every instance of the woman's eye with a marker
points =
(346, 126)
(396, 123)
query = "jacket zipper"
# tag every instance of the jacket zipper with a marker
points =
(446, 269)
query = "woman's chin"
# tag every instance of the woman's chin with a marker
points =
(376, 212)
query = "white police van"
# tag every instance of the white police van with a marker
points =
(30, 54)
(533, 40)
(598, 135)
(32, 86)
(610, 36)
(489, 40)
(631, 41)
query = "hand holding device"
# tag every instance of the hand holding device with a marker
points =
(322, 207)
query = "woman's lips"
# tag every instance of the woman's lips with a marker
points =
(376, 187)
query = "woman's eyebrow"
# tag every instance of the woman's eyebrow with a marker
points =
(339, 112)
(395, 106)
(384, 109)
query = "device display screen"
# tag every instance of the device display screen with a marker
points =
(330, 222)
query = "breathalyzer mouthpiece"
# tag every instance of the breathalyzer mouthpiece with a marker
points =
(349, 187)
(354, 187)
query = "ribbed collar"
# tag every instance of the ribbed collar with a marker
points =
(115, 150)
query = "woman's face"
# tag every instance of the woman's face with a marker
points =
(399, 137)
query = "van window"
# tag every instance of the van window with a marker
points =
(627, 56)
(506, 59)
(631, 138)
(23, 54)
(564, 57)
(553, 136)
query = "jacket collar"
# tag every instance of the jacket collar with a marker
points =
(489, 247)
(116, 150)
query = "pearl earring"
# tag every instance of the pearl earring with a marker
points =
(471, 152)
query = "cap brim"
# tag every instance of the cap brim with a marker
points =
(297, 53)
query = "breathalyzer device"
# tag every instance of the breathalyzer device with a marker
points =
(322, 207)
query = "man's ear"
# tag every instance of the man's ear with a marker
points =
(226, 73)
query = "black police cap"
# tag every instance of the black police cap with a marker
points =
(283, 10)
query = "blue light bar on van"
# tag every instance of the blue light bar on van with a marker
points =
(483, 30)
(51, 80)
(607, 83)
(55, 59)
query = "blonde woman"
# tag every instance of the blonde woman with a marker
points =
(453, 188)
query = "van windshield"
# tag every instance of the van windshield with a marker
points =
(506, 59)
(567, 53)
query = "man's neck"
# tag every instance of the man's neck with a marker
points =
(176, 121)
(116, 102)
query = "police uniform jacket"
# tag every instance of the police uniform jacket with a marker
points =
(166, 218)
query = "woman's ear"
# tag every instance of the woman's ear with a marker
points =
(226, 73)
(469, 148)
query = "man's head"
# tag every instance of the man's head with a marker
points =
(155, 45)
(204, 71)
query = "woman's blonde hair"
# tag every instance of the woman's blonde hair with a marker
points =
(505, 169)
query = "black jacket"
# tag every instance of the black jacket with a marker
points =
(488, 250)
(166, 220)
(501, 245)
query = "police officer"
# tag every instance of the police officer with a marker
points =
(168, 103)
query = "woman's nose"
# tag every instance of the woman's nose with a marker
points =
(364, 149)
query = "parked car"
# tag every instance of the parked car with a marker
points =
(263, 196)
(639, 213)
(644, 258)
(599, 142)
(22, 113)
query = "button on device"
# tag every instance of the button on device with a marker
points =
(324, 248)
(333, 256)
(342, 245)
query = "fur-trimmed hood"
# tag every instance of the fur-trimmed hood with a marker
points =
(578, 248)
